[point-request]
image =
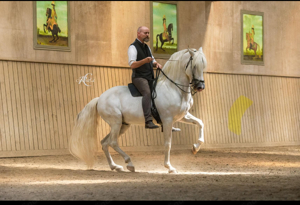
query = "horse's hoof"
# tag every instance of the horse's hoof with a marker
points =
(175, 129)
(194, 149)
(117, 168)
(131, 168)
(173, 171)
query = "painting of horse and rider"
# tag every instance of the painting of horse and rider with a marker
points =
(252, 35)
(164, 29)
(51, 23)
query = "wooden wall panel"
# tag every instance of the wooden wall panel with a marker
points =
(3, 110)
(40, 101)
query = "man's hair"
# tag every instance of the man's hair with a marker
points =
(140, 28)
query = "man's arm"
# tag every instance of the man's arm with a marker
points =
(137, 64)
(132, 55)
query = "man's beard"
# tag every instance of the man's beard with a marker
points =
(146, 39)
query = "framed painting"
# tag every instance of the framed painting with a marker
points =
(51, 25)
(163, 28)
(252, 46)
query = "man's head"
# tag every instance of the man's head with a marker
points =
(143, 34)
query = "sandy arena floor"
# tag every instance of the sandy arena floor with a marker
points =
(268, 173)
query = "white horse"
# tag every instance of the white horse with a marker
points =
(119, 109)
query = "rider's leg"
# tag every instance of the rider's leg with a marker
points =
(143, 86)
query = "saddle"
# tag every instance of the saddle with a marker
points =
(135, 93)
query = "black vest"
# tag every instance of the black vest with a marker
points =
(146, 70)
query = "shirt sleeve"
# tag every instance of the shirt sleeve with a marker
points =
(132, 54)
(153, 61)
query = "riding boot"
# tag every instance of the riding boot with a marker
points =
(150, 125)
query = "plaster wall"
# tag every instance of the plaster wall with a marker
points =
(101, 32)
(222, 43)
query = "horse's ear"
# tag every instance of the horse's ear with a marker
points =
(191, 52)
(200, 49)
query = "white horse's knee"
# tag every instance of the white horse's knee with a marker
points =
(201, 124)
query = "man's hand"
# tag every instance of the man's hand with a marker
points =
(157, 65)
(149, 59)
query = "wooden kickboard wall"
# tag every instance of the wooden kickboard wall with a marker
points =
(40, 101)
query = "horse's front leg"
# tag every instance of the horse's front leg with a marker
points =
(168, 142)
(190, 119)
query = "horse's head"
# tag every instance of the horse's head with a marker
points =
(194, 68)
(48, 12)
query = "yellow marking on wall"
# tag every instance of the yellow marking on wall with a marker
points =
(236, 113)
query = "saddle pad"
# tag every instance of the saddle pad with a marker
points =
(133, 90)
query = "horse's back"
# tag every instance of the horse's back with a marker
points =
(114, 92)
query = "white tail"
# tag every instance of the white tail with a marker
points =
(83, 141)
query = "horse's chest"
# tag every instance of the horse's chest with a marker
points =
(184, 108)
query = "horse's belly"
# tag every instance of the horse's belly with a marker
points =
(132, 110)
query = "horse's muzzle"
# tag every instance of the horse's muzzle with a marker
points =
(199, 87)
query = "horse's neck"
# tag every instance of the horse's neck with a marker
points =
(179, 77)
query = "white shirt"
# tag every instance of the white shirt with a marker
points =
(132, 54)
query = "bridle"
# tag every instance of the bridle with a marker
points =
(194, 80)
(192, 83)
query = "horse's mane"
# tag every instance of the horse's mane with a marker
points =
(172, 66)
(170, 27)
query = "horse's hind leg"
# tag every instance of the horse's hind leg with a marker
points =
(112, 165)
(56, 38)
(162, 43)
(52, 39)
(115, 146)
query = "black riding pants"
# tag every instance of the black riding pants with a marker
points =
(143, 86)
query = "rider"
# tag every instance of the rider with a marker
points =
(165, 33)
(53, 12)
(52, 20)
(252, 37)
(141, 61)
